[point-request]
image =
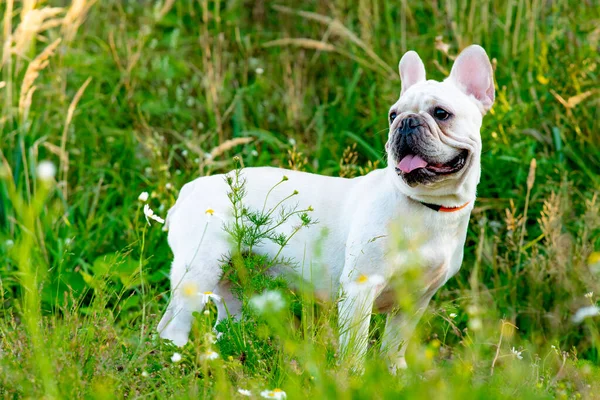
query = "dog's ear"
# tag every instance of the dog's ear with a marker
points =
(411, 69)
(473, 74)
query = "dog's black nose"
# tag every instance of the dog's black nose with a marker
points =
(408, 124)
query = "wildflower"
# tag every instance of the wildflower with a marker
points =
(46, 170)
(209, 355)
(363, 282)
(68, 241)
(143, 196)
(292, 141)
(145, 374)
(259, 71)
(210, 338)
(589, 295)
(184, 153)
(273, 394)
(254, 153)
(516, 353)
(207, 296)
(209, 211)
(585, 312)
(189, 289)
(244, 392)
(9, 243)
(452, 315)
(475, 324)
(176, 357)
(150, 215)
(270, 300)
(169, 186)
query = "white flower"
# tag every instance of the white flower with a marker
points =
(273, 394)
(585, 312)
(150, 215)
(176, 357)
(9, 243)
(254, 153)
(169, 186)
(145, 374)
(205, 297)
(244, 392)
(46, 170)
(475, 324)
(206, 312)
(452, 315)
(144, 196)
(292, 141)
(184, 153)
(516, 353)
(589, 295)
(259, 71)
(271, 300)
(210, 338)
(363, 282)
(68, 241)
(209, 355)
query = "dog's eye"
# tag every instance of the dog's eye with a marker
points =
(393, 116)
(441, 114)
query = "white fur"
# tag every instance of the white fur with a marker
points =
(354, 216)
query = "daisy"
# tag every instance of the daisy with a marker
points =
(209, 355)
(271, 300)
(176, 357)
(205, 297)
(143, 197)
(244, 392)
(150, 215)
(585, 312)
(273, 394)
(363, 282)
(516, 353)
(46, 170)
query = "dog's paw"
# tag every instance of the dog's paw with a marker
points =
(397, 365)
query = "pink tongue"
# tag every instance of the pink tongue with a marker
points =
(411, 162)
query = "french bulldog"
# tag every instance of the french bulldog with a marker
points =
(428, 189)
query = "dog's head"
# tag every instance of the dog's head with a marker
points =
(434, 143)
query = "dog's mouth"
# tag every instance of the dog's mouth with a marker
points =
(414, 168)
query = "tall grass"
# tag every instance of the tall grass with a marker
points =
(131, 97)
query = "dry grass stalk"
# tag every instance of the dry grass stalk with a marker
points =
(75, 17)
(302, 42)
(165, 9)
(31, 74)
(337, 28)
(228, 145)
(33, 21)
(64, 155)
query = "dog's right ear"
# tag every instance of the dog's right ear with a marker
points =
(411, 69)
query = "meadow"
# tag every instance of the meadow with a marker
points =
(105, 100)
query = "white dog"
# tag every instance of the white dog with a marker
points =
(428, 188)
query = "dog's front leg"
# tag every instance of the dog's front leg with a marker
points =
(354, 309)
(399, 328)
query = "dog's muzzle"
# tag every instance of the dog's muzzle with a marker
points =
(415, 151)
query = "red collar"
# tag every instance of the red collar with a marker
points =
(438, 208)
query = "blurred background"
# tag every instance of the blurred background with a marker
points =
(131, 96)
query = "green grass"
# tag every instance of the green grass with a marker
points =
(84, 279)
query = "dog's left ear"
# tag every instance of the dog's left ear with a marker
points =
(472, 72)
(411, 69)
